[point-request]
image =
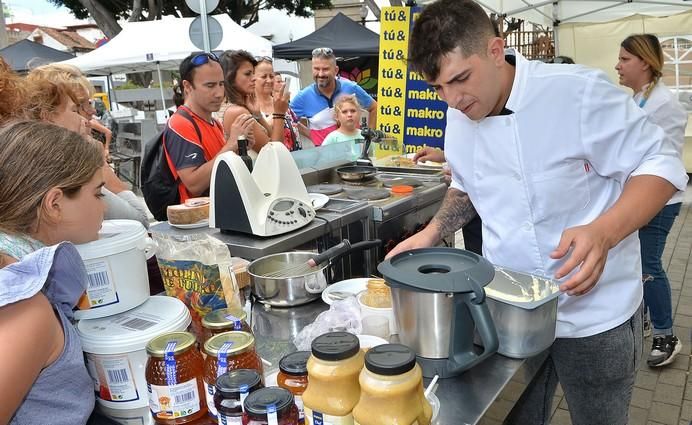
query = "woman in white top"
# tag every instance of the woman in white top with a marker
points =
(639, 66)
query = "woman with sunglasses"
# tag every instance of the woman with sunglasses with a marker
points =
(239, 74)
(639, 67)
(269, 85)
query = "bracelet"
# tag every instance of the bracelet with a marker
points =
(278, 116)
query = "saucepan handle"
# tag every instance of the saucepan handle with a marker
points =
(340, 248)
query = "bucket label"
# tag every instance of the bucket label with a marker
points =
(136, 321)
(174, 401)
(101, 287)
(113, 378)
(313, 417)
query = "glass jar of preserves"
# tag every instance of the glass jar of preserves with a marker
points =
(231, 390)
(391, 388)
(174, 375)
(228, 351)
(333, 389)
(270, 406)
(293, 376)
(224, 320)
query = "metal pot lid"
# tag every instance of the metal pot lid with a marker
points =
(442, 270)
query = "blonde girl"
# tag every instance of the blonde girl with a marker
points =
(347, 116)
(640, 66)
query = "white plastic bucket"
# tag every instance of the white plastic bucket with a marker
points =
(115, 349)
(116, 264)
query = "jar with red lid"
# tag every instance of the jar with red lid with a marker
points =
(293, 376)
(228, 351)
(174, 375)
(232, 388)
(270, 406)
(224, 320)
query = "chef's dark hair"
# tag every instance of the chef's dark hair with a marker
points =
(442, 27)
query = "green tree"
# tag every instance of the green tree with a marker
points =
(106, 13)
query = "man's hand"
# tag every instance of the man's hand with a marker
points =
(429, 154)
(588, 248)
(423, 239)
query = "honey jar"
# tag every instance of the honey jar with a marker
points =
(174, 375)
(270, 406)
(228, 351)
(232, 388)
(391, 388)
(293, 376)
(224, 320)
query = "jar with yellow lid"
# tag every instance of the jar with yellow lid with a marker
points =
(333, 389)
(391, 389)
(224, 320)
(225, 352)
(174, 375)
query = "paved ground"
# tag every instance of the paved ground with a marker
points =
(662, 395)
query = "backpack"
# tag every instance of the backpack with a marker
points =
(159, 186)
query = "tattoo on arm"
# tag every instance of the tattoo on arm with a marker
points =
(455, 212)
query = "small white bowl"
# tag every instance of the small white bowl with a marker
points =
(387, 312)
(369, 341)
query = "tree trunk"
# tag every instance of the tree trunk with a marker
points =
(136, 14)
(104, 19)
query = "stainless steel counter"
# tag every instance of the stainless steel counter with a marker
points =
(482, 395)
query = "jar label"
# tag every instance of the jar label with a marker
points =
(313, 417)
(113, 379)
(236, 322)
(222, 364)
(174, 401)
(301, 409)
(169, 359)
(244, 392)
(272, 419)
(101, 288)
(230, 420)
(209, 394)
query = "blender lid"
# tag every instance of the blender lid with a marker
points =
(390, 359)
(443, 270)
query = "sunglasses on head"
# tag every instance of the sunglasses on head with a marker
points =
(202, 58)
(323, 51)
(264, 59)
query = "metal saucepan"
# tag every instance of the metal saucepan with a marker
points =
(286, 279)
(354, 173)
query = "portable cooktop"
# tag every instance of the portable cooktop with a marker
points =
(325, 189)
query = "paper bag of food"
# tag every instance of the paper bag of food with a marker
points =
(198, 270)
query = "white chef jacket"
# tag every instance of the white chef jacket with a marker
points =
(559, 160)
(664, 110)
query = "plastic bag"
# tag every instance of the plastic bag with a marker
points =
(198, 270)
(343, 315)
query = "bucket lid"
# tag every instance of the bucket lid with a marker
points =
(236, 380)
(295, 363)
(267, 399)
(334, 346)
(115, 236)
(133, 329)
(442, 270)
(390, 359)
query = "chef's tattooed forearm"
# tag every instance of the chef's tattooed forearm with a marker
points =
(455, 212)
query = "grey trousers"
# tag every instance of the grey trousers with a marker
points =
(596, 374)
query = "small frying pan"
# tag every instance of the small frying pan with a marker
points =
(354, 173)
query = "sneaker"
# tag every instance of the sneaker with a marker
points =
(663, 350)
(647, 325)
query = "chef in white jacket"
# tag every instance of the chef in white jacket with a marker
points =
(563, 168)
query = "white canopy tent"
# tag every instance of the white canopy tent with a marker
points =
(150, 45)
(555, 12)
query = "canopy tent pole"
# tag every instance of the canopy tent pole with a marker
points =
(556, 29)
(163, 98)
(111, 92)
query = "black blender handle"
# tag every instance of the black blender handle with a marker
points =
(485, 326)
